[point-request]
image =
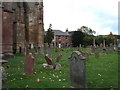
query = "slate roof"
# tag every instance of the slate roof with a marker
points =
(61, 33)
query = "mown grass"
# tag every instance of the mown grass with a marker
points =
(100, 73)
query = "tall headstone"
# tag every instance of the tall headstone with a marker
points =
(89, 50)
(103, 43)
(77, 70)
(42, 49)
(96, 53)
(59, 58)
(94, 43)
(49, 52)
(3, 75)
(29, 64)
(80, 47)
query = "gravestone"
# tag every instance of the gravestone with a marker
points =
(94, 44)
(77, 70)
(35, 58)
(89, 50)
(50, 64)
(56, 49)
(104, 44)
(58, 67)
(80, 47)
(59, 58)
(3, 75)
(29, 64)
(49, 52)
(85, 54)
(42, 49)
(49, 60)
(96, 53)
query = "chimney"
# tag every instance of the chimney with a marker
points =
(67, 31)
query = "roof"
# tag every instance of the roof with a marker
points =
(59, 32)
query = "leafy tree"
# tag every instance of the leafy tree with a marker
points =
(77, 38)
(87, 30)
(49, 35)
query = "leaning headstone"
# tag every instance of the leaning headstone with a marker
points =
(77, 70)
(29, 65)
(59, 58)
(49, 60)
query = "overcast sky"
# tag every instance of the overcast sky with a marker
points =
(99, 15)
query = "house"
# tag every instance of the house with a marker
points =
(61, 39)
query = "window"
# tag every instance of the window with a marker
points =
(59, 37)
(66, 38)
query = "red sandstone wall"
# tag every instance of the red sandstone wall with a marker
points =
(63, 40)
(7, 32)
(0, 30)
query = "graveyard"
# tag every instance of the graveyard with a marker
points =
(101, 72)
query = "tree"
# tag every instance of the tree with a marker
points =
(87, 30)
(77, 38)
(49, 35)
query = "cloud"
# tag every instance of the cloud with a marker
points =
(99, 15)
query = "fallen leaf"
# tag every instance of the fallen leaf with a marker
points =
(59, 80)
(38, 80)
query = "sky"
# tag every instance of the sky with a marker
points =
(99, 15)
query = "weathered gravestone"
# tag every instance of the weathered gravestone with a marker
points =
(49, 60)
(96, 53)
(56, 49)
(42, 49)
(59, 58)
(58, 67)
(89, 50)
(3, 75)
(49, 52)
(29, 64)
(77, 70)
(85, 54)
(35, 58)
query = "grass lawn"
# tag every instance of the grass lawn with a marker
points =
(101, 72)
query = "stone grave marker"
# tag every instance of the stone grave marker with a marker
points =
(85, 54)
(80, 47)
(96, 53)
(35, 58)
(56, 49)
(42, 49)
(3, 75)
(49, 60)
(59, 58)
(77, 70)
(29, 64)
(50, 64)
(58, 67)
(89, 50)
(49, 52)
